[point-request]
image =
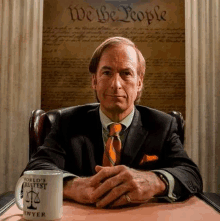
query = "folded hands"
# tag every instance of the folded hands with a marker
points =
(114, 186)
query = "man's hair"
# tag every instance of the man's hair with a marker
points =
(114, 41)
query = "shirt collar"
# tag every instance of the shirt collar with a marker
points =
(106, 121)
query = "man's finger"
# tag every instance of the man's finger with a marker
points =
(121, 201)
(113, 195)
(103, 174)
(107, 186)
(98, 168)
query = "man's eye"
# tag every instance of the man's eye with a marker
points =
(106, 72)
(126, 73)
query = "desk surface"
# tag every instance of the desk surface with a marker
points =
(191, 209)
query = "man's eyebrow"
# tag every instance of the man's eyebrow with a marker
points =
(127, 69)
(106, 67)
(123, 69)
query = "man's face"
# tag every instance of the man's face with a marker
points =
(116, 81)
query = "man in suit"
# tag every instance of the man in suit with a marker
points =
(151, 161)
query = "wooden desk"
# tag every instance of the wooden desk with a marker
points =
(192, 209)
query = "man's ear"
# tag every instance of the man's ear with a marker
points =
(140, 83)
(94, 81)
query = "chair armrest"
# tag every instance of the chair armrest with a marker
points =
(6, 201)
(213, 199)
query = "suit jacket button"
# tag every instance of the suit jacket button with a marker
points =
(192, 188)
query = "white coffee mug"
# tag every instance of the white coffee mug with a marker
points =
(42, 194)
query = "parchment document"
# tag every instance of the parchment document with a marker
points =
(73, 29)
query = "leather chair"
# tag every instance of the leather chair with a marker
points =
(6, 201)
(39, 126)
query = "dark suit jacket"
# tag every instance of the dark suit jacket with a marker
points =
(75, 145)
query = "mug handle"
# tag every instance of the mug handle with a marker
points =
(18, 193)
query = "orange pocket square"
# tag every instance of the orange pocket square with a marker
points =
(148, 158)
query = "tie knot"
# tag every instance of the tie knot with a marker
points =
(115, 129)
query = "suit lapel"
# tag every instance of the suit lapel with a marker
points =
(94, 133)
(135, 138)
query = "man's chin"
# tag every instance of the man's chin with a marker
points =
(115, 108)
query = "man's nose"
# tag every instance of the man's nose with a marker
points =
(116, 81)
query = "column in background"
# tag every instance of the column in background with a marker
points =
(20, 82)
(202, 20)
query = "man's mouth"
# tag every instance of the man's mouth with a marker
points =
(115, 95)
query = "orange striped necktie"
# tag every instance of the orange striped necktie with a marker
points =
(112, 153)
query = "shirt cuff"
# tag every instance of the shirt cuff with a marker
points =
(171, 197)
